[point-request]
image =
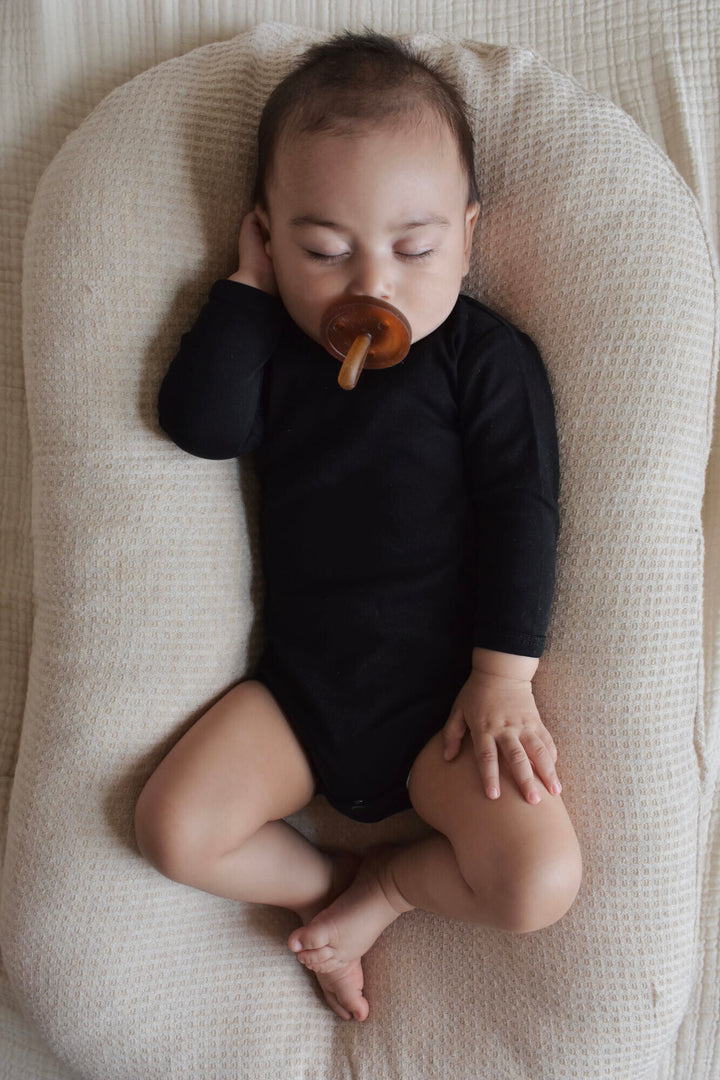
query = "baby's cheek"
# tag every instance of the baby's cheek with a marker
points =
(301, 310)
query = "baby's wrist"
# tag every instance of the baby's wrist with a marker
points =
(507, 666)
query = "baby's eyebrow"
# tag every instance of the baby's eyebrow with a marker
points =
(308, 219)
(429, 219)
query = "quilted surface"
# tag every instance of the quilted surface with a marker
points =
(121, 660)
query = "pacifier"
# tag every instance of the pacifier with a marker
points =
(364, 331)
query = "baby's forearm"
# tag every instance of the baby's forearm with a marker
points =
(506, 665)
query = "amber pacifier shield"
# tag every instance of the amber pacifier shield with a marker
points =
(364, 331)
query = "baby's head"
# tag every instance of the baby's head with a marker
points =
(366, 183)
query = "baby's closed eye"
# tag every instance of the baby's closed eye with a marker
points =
(320, 256)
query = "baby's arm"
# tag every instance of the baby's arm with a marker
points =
(209, 401)
(497, 705)
(508, 425)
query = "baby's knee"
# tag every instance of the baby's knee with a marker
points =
(172, 834)
(537, 894)
(525, 893)
(160, 834)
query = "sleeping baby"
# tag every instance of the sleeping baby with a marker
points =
(408, 533)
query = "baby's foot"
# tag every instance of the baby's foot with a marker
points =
(345, 865)
(333, 942)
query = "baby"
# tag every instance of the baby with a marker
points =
(408, 531)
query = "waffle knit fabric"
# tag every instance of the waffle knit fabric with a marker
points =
(148, 596)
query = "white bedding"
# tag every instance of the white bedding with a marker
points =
(60, 59)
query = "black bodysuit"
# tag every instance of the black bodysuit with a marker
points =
(402, 523)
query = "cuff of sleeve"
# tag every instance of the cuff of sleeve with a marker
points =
(508, 641)
(238, 294)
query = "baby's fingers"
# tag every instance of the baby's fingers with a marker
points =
(521, 768)
(486, 756)
(453, 734)
(547, 738)
(543, 762)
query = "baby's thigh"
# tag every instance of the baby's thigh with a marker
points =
(525, 856)
(237, 767)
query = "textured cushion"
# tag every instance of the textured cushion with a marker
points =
(148, 592)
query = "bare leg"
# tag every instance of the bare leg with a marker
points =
(277, 866)
(503, 863)
(209, 816)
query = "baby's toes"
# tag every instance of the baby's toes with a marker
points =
(315, 935)
(344, 989)
(324, 959)
(336, 1006)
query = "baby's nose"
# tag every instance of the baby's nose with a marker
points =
(372, 277)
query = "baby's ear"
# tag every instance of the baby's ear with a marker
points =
(471, 216)
(264, 222)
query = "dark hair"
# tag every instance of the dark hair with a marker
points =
(358, 77)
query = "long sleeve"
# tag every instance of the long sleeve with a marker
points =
(511, 458)
(210, 399)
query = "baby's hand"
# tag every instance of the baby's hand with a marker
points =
(501, 713)
(254, 264)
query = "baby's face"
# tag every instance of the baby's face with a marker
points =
(382, 213)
